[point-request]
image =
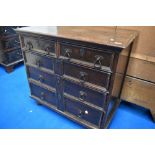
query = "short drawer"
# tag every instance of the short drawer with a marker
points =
(85, 74)
(40, 61)
(40, 44)
(43, 94)
(84, 93)
(83, 111)
(90, 56)
(42, 77)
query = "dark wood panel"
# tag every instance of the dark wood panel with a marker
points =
(42, 77)
(85, 74)
(43, 94)
(40, 61)
(43, 45)
(98, 58)
(83, 111)
(85, 93)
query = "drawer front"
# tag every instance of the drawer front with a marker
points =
(39, 61)
(42, 77)
(41, 44)
(96, 58)
(84, 93)
(83, 111)
(13, 56)
(84, 74)
(43, 94)
(11, 43)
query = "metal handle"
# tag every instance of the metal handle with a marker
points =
(42, 95)
(82, 95)
(98, 60)
(41, 78)
(38, 63)
(82, 52)
(29, 45)
(86, 112)
(82, 113)
(83, 76)
(68, 52)
(47, 49)
(18, 42)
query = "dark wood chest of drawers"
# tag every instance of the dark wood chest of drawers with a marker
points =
(73, 70)
(10, 50)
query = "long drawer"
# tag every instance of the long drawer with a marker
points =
(93, 57)
(85, 74)
(39, 61)
(39, 43)
(44, 94)
(42, 77)
(84, 93)
(82, 111)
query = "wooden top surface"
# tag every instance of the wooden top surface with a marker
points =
(120, 38)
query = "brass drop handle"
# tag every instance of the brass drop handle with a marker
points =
(42, 95)
(83, 76)
(82, 95)
(68, 52)
(41, 78)
(98, 61)
(29, 45)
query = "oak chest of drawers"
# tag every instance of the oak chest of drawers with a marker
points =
(72, 70)
(10, 51)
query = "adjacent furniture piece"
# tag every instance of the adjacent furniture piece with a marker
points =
(10, 51)
(72, 70)
(139, 87)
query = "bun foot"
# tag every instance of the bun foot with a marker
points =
(9, 69)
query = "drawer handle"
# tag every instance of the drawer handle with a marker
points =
(16, 43)
(82, 95)
(29, 45)
(68, 53)
(42, 95)
(86, 112)
(41, 78)
(82, 113)
(47, 49)
(83, 76)
(82, 52)
(98, 61)
(38, 63)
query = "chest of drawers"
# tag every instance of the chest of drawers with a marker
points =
(10, 51)
(73, 70)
